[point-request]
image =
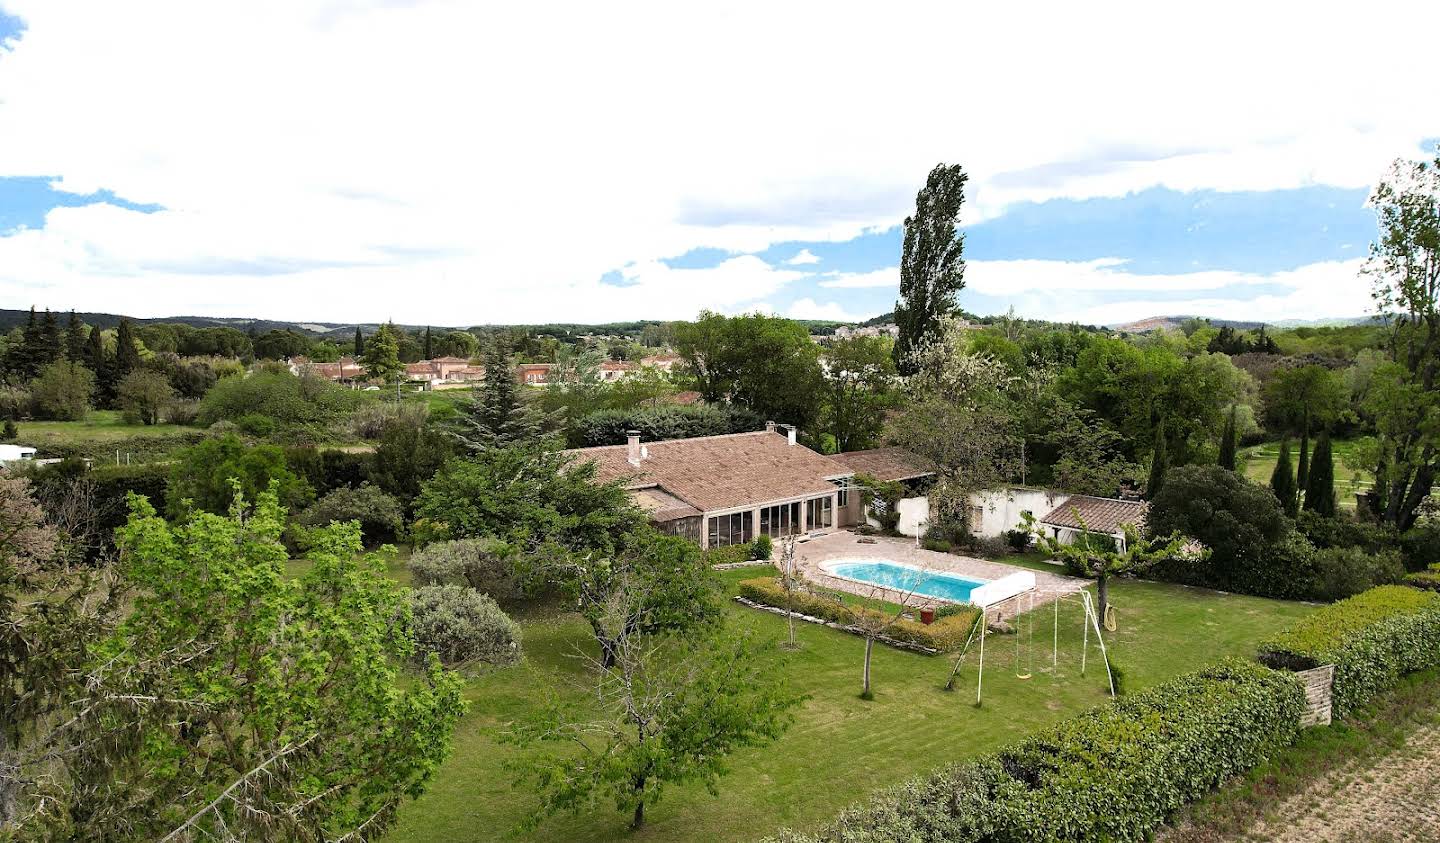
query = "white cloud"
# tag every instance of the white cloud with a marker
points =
(888, 277)
(441, 160)
(807, 308)
(1103, 293)
(802, 257)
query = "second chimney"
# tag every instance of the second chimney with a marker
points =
(769, 427)
(632, 447)
(790, 431)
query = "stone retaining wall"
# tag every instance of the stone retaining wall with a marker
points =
(1318, 683)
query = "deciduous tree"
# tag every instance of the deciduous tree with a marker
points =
(145, 393)
(859, 379)
(932, 263)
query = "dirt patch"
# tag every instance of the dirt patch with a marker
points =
(1396, 799)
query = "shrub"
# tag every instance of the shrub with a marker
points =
(462, 626)
(1342, 572)
(485, 565)
(728, 555)
(380, 516)
(1428, 580)
(370, 420)
(202, 474)
(1018, 540)
(63, 391)
(309, 404)
(1113, 773)
(144, 394)
(1345, 531)
(610, 427)
(761, 548)
(1420, 545)
(1373, 639)
(183, 412)
(256, 424)
(946, 635)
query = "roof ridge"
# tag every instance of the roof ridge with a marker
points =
(679, 439)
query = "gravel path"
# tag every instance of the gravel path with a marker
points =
(1394, 800)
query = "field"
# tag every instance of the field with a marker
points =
(840, 747)
(1259, 462)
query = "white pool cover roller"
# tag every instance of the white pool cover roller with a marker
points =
(1002, 589)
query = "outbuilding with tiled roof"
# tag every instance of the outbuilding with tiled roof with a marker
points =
(1107, 516)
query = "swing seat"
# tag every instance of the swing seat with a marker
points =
(1022, 676)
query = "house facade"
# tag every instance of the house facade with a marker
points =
(726, 490)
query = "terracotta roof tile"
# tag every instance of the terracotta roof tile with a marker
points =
(1101, 515)
(720, 472)
(888, 464)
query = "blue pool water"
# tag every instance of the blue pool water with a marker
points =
(906, 578)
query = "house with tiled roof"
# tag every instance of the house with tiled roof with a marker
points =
(1078, 514)
(726, 490)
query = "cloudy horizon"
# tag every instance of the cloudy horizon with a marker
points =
(432, 161)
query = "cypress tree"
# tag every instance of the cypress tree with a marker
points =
(127, 356)
(1320, 493)
(75, 338)
(359, 343)
(1302, 474)
(26, 361)
(1159, 462)
(429, 345)
(98, 362)
(1227, 442)
(51, 345)
(1282, 480)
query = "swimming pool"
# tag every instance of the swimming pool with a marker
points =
(907, 578)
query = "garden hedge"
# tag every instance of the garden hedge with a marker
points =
(1373, 639)
(1428, 579)
(1113, 773)
(946, 635)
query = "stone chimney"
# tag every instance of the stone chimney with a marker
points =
(790, 431)
(769, 427)
(632, 447)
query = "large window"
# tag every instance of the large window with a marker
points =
(819, 513)
(726, 530)
(842, 497)
(782, 520)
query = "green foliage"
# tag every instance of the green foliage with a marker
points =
(1429, 580)
(1116, 772)
(1373, 639)
(461, 626)
(382, 355)
(486, 565)
(762, 547)
(529, 497)
(498, 415)
(243, 665)
(932, 263)
(766, 364)
(63, 391)
(380, 516)
(1159, 463)
(305, 404)
(1227, 442)
(670, 421)
(145, 393)
(1342, 572)
(1282, 481)
(1320, 490)
(859, 379)
(202, 475)
(408, 455)
(881, 499)
(1100, 557)
(1018, 540)
(1302, 398)
(1420, 545)
(1249, 537)
(946, 635)
(728, 554)
(10, 432)
(675, 712)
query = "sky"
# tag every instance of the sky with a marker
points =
(457, 163)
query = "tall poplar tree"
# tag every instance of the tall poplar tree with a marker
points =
(359, 343)
(1282, 480)
(1159, 463)
(932, 263)
(1302, 474)
(127, 356)
(1227, 442)
(1320, 492)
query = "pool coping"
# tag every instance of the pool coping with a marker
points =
(840, 560)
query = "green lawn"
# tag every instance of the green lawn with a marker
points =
(1258, 463)
(840, 747)
(98, 426)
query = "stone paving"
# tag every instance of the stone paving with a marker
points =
(843, 544)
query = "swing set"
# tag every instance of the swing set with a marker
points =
(981, 629)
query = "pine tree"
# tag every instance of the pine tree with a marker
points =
(382, 355)
(1159, 463)
(1282, 480)
(127, 356)
(97, 361)
(52, 346)
(498, 414)
(1227, 442)
(25, 357)
(75, 338)
(429, 345)
(359, 343)
(1320, 492)
(932, 263)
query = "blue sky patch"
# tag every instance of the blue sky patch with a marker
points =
(24, 201)
(11, 27)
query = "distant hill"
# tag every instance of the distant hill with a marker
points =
(1159, 323)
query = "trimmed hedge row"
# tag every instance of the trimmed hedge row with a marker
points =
(1428, 579)
(1113, 773)
(946, 635)
(1373, 639)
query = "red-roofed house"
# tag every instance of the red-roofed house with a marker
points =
(726, 490)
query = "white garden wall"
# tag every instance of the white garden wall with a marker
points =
(997, 510)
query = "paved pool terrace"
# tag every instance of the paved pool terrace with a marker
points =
(843, 544)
